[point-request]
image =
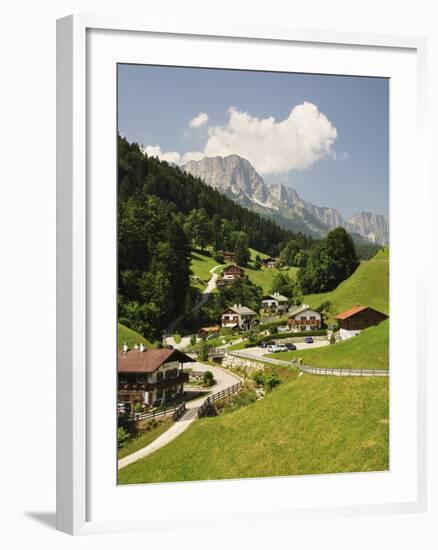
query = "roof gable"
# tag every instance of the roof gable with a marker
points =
(277, 297)
(150, 360)
(355, 310)
(301, 309)
(240, 310)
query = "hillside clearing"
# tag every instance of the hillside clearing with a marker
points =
(311, 425)
(201, 265)
(130, 337)
(369, 285)
(368, 350)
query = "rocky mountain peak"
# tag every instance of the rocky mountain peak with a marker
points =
(237, 178)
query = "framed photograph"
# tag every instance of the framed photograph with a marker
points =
(240, 293)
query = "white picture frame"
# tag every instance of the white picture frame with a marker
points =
(76, 243)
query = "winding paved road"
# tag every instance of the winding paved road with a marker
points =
(224, 380)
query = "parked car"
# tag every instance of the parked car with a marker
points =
(308, 340)
(274, 348)
(291, 347)
(283, 329)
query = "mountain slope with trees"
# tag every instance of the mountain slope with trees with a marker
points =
(163, 215)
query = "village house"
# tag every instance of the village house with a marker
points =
(275, 303)
(238, 317)
(209, 332)
(150, 376)
(303, 318)
(269, 262)
(230, 274)
(354, 320)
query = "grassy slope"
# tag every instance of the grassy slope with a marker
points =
(201, 265)
(140, 441)
(313, 424)
(369, 285)
(264, 277)
(368, 350)
(125, 334)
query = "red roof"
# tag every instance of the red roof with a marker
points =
(350, 312)
(150, 360)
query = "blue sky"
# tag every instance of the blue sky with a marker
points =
(333, 149)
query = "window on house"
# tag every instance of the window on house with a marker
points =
(159, 376)
(123, 379)
(312, 318)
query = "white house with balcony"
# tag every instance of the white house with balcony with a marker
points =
(238, 317)
(275, 303)
(303, 318)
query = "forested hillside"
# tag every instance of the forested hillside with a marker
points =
(163, 214)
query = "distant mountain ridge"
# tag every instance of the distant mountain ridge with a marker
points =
(236, 178)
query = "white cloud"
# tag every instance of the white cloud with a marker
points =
(198, 120)
(271, 146)
(172, 156)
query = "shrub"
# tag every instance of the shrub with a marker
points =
(268, 379)
(204, 347)
(193, 340)
(257, 377)
(271, 379)
(122, 437)
(208, 378)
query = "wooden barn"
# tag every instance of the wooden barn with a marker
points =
(356, 319)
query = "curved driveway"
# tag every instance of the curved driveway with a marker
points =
(224, 380)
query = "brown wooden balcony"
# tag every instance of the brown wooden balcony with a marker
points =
(182, 378)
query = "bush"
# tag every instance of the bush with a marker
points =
(257, 377)
(122, 437)
(271, 379)
(193, 340)
(208, 378)
(203, 349)
(267, 379)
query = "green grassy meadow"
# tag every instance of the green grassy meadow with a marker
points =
(201, 264)
(125, 334)
(143, 439)
(310, 425)
(368, 350)
(369, 285)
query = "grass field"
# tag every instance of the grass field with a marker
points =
(201, 264)
(140, 441)
(310, 425)
(368, 350)
(125, 334)
(369, 285)
(264, 277)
